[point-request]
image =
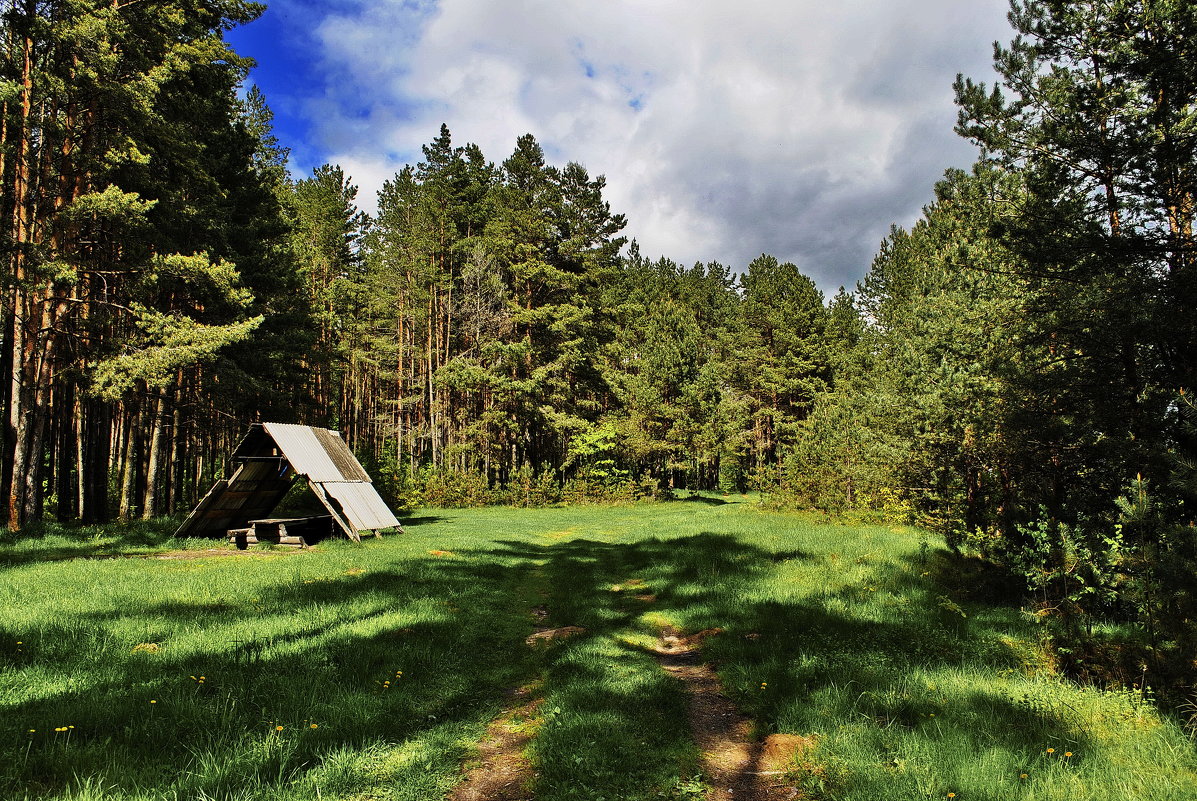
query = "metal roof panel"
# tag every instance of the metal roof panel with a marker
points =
(362, 505)
(305, 451)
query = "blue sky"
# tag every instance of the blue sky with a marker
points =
(802, 129)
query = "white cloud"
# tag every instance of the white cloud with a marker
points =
(799, 128)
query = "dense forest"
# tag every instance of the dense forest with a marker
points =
(1016, 371)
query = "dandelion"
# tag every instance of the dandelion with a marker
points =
(33, 731)
(1067, 753)
(278, 728)
(153, 700)
(951, 795)
(313, 726)
(1022, 775)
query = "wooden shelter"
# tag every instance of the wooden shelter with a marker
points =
(267, 462)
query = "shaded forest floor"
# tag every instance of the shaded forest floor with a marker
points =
(684, 649)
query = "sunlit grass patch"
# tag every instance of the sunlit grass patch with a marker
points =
(117, 648)
(384, 662)
(613, 725)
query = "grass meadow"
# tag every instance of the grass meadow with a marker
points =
(371, 671)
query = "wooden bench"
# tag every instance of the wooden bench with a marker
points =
(296, 532)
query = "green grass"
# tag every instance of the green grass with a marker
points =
(915, 682)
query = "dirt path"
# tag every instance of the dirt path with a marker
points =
(736, 767)
(501, 772)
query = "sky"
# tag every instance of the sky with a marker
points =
(799, 128)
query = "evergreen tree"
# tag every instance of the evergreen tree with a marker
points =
(1093, 107)
(783, 362)
(326, 230)
(92, 113)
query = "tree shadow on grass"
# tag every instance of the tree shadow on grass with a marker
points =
(420, 650)
(424, 520)
(53, 542)
(970, 578)
(159, 696)
(704, 499)
(824, 659)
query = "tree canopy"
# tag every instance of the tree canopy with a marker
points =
(1015, 370)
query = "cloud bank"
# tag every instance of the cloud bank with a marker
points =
(798, 128)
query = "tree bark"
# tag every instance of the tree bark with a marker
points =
(154, 465)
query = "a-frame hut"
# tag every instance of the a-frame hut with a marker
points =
(266, 463)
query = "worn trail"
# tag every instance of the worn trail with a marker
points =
(501, 772)
(737, 767)
(734, 765)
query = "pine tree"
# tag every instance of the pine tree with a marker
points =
(782, 364)
(1093, 107)
(97, 90)
(326, 231)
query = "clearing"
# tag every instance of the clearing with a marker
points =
(699, 649)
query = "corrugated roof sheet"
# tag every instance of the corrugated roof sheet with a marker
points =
(361, 504)
(317, 453)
